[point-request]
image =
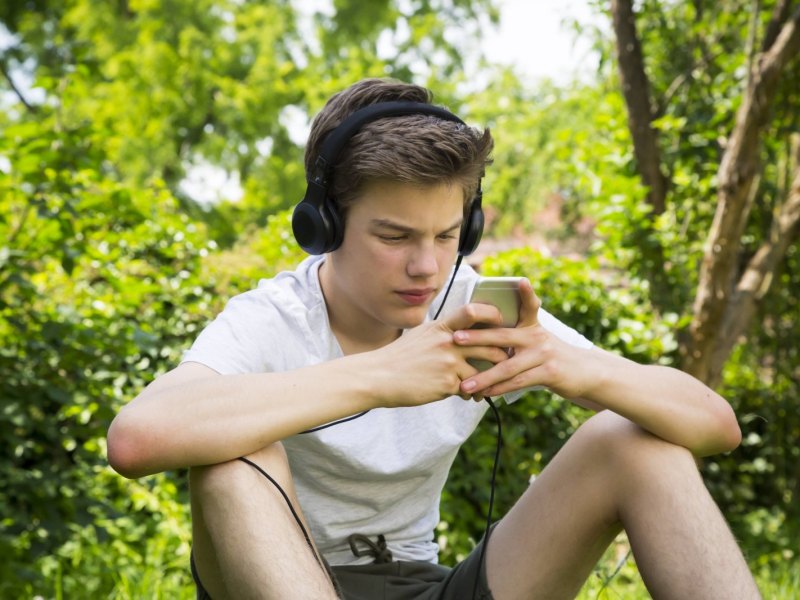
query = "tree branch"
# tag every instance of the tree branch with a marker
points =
(7, 76)
(737, 172)
(779, 15)
(684, 77)
(636, 89)
(759, 274)
(751, 38)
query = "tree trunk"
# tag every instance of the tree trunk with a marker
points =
(636, 89)
(709, 344)
(759, 274)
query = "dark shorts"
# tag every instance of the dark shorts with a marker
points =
(403, 580)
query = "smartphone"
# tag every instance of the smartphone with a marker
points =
(502, 292)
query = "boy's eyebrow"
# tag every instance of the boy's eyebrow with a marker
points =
(389, 224)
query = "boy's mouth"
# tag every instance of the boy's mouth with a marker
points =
(416, 296)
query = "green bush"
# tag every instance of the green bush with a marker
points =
(98, 293)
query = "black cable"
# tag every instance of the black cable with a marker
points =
(436, 316)
(488, 530)
(449, 285)
(291, 508)
(340, 421)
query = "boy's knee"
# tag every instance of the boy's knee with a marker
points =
(236, 476)
(270, 457)
(626, 447)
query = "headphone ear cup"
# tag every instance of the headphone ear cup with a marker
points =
(316, 222)
(335, 225)
(311, 223)
(472, 230)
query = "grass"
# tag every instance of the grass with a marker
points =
(616, 576)
(164, 575)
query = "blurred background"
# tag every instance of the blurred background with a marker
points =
(646, 178)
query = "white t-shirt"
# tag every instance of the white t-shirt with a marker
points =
(381, 473)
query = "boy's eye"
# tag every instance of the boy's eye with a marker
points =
(392, 238)
(447, 236)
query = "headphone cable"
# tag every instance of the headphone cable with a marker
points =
(436, 316)
(487, 530)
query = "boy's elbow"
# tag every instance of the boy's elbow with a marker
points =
(727, 434)
(126, 448)
(732, 433)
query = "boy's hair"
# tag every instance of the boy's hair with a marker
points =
(416, 149)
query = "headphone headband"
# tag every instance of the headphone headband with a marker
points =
(316, 223)
(337, 139)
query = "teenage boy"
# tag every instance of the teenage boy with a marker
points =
(350, 331)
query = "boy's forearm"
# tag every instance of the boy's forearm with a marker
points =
(667, 402)
(176, 423)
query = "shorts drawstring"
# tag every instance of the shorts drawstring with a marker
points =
(378, 550)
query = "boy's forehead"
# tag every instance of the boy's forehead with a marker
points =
(390, 201)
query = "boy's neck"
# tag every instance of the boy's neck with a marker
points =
(352, 332)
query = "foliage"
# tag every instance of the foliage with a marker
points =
(259, 253)
(698, 58)
(537, 134)
(697, 62)
(98, 291)
(108, 268)
(222, 83)
(617, 577)
(105, 109)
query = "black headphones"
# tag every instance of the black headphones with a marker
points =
(316, 223)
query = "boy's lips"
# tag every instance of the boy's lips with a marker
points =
(416, 296)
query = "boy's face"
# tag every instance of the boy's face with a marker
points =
(400, 243)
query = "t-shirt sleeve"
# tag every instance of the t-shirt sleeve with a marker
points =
(234, 342)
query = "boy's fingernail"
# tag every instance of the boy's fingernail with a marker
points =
(468, 385)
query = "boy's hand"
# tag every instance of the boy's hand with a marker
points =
(425, 364)
(537, 357)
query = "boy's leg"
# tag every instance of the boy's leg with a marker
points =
(246, 541)
(613, 474)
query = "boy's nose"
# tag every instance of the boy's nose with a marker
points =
(422, 262)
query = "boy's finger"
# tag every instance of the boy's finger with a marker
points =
(470, 315)
(529, 306)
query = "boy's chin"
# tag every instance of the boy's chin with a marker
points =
(413, 319)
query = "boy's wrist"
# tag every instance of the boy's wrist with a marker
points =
(367, 380)
(597, 375)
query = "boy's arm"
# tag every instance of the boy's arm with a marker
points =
(194, 416)
(667, 402)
